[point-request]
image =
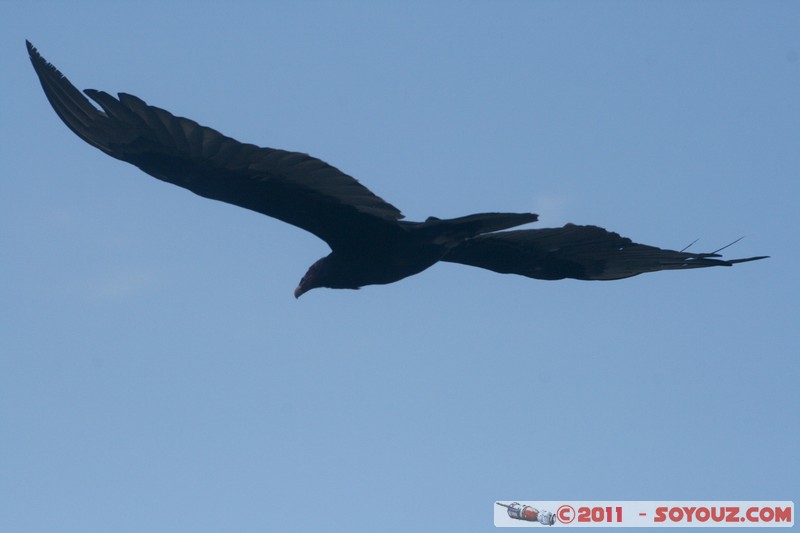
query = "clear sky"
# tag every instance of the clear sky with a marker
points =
(156, 373)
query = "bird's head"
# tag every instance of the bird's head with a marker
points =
(312, 279)
(333, 272)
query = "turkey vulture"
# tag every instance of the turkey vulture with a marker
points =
(369, 242)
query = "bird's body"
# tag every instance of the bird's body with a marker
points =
(370, 243)
(408, 249)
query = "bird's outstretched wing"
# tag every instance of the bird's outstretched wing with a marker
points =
(290, 186)
(578, 252)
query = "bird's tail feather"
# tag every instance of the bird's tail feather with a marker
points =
(471, 225)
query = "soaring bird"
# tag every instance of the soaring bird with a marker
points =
(370, 243)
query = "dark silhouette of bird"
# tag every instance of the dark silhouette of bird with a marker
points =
(370, 243)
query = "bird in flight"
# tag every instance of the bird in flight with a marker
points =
(370, 243)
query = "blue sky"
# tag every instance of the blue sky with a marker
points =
(156, 373)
